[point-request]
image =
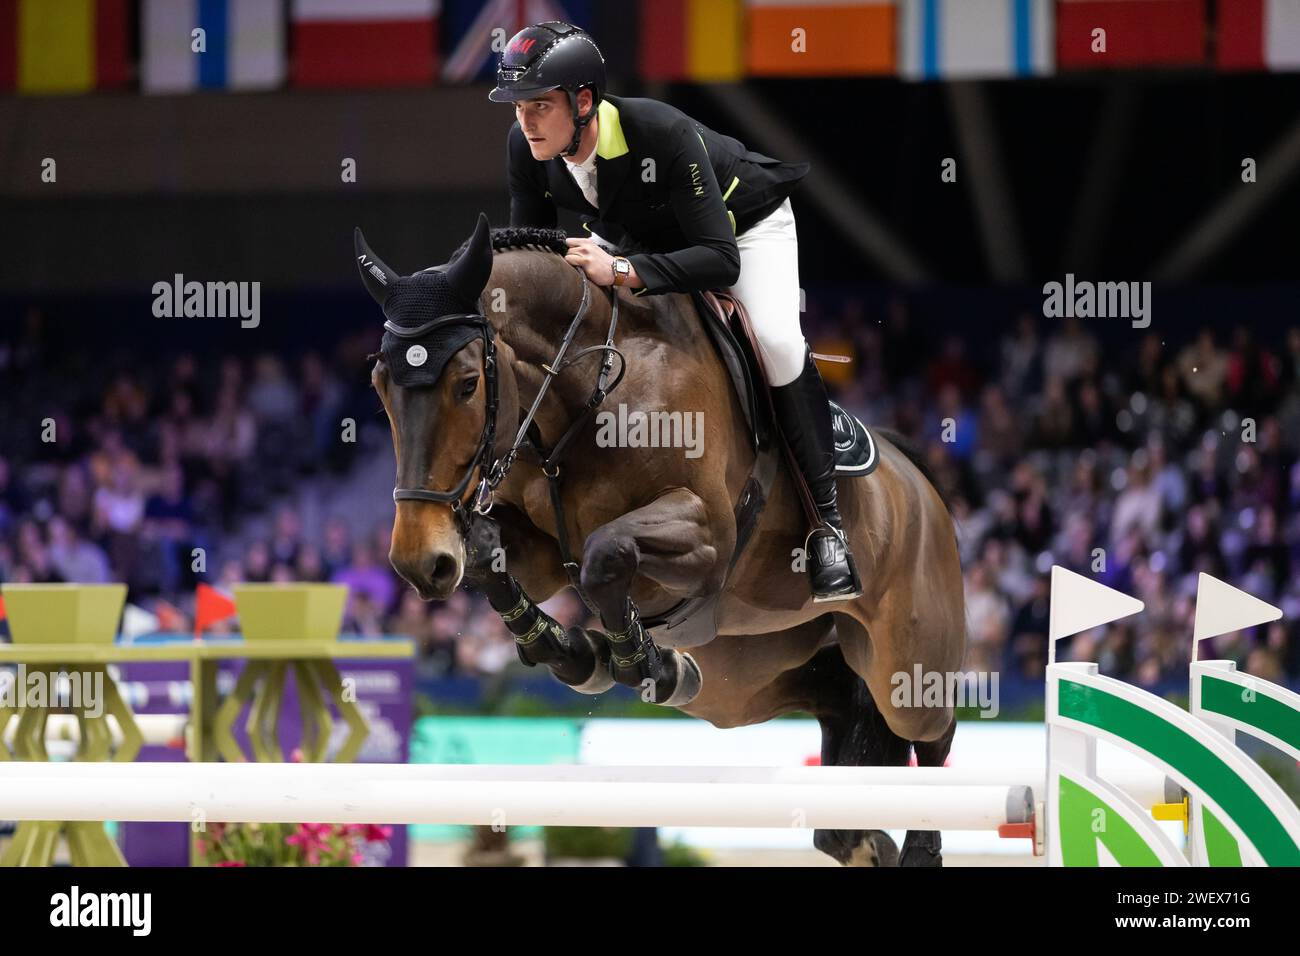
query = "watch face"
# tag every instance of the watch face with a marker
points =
(622, 265)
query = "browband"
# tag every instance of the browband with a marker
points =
(458, 318)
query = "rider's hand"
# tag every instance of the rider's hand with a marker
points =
(591, 259)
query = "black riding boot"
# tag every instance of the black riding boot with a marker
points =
(804, 415)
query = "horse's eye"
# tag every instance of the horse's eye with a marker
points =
(469, 386)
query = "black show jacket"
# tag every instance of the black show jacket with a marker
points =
(671, 190)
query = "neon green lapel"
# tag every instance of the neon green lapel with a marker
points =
(609, 136)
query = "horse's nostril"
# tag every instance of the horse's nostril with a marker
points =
(444, 569)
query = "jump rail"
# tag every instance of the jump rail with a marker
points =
(379, 793)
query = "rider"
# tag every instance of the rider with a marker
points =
(714, 214)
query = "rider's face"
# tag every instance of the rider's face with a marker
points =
(547, 122)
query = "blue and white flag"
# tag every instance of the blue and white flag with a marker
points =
(243, 45)
(967, 39)
(474, 27)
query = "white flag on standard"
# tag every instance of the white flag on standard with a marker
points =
(1079, 604)
(1222, 609)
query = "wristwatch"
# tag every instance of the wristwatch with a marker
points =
(622, 269)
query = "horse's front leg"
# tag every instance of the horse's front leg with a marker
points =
(671, 543)
(575, 656)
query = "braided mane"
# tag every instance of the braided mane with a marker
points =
(522, 237)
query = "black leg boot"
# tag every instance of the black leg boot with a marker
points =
(574, 656)
(805, 419)
(662, 675)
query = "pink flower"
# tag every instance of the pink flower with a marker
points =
(231, 863)
(311, 838)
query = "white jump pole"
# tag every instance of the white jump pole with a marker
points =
(293, 793)
(158, 730)
(1147, 787)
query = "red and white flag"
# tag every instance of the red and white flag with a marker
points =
(342, 43)
(1259, 35)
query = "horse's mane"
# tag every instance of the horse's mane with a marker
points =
(521, 237)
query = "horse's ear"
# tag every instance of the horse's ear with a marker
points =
(469, 274)
(374, 272)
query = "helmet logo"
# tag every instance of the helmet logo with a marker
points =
(521, 44)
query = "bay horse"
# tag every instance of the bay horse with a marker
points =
(468, 348)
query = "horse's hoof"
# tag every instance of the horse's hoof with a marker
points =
(879, 849)
(925, 850)
(600, 680)
(857, 847)
(689, 680)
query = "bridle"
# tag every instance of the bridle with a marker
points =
(487, 438)
(492, 471)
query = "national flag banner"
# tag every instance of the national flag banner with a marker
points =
(240, 47)
(821, 37)
(345, 44)
(1259, 35)
(692, 40)
(1137, 33)
(477, 31)
(64, 46)
(961, 39)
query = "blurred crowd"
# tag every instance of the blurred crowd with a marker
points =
(133, 468)
(1141, 468)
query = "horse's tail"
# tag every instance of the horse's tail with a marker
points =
(913, 454)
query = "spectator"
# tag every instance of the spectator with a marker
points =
(75, 559)
(1069, 352)
(1204, 369)
(169, 528)
(987, 615)
(366, 579)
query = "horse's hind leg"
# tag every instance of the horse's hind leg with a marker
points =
(854, 734)
(924, 847)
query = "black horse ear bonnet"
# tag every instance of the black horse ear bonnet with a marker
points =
(414, 301)
(416, 346)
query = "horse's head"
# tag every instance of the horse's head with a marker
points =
(437, 378)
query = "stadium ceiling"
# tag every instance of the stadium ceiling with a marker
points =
(1134, 174)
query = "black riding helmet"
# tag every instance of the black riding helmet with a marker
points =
(552, 56)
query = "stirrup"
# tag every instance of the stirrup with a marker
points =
(854, 588)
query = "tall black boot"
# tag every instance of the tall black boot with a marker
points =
(804, 416)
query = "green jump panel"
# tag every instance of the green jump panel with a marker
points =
(64, 613)
(290, 612)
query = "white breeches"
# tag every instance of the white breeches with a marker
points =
(769, 288)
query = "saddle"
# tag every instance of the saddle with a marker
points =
(728, 325)
(692, 622)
